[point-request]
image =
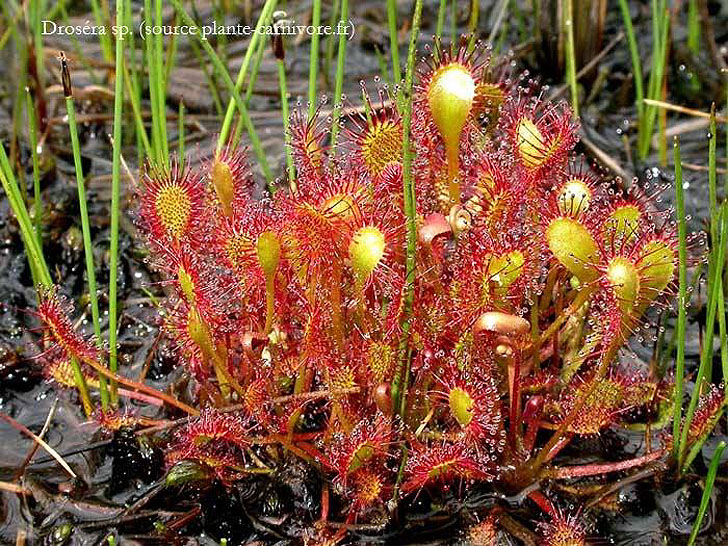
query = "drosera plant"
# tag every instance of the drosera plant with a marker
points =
(289, 310)
(402, 345)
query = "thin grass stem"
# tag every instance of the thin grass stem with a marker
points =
(474, 16)
(233, 88)
(171, 52)
(453, 21)
(82, 202)
(401, 378)
(441, 11)
(329, 57)
(38, 45)
(693, 27)
(280, 55)
(18, 100)
(265, 14)
(211, 84)
(707, 491)
(712, 207)
(382, 64)
(723, 334)
(682, 294)
(37, 203)
(313, 60)
(181, 135)
(712, 174)
(160, 83)
(12, 23)
(35, 256)
(154, 103)
(138, 120)
(660, 33)
(249, 91)
(393, 40)
(571, 55)
(104, 38)
(115, 209)
(708, 337)
(15, 198)
(339, 81)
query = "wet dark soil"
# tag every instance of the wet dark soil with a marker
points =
(119, 489)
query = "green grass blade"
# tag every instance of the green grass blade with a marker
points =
(329, 57)
(27, 232)
(313, 59)
(233, 89)
(571, 55)
(682, 294)
(254, 71)
(401, 378)
(85, 224)
(83, 212)
(181, 134)
(693, 27)
(115, 208)
(280, 54)
(712, 207)
(105, 38)
(211, 84)
(39, 9)
(149, 56)
(393, 41)
(265, 14)
(706, 352)
(705, 500)
(138, 120)
(441, 11)
(160, 83)
(249, 91)
(712, 177)
(723, 333)
(474, 16)
(339, 82)
(661, 32)
(37, 203)
(35, 256)
(171, 52)
(453, 20)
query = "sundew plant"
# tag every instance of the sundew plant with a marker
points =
(436, 301)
